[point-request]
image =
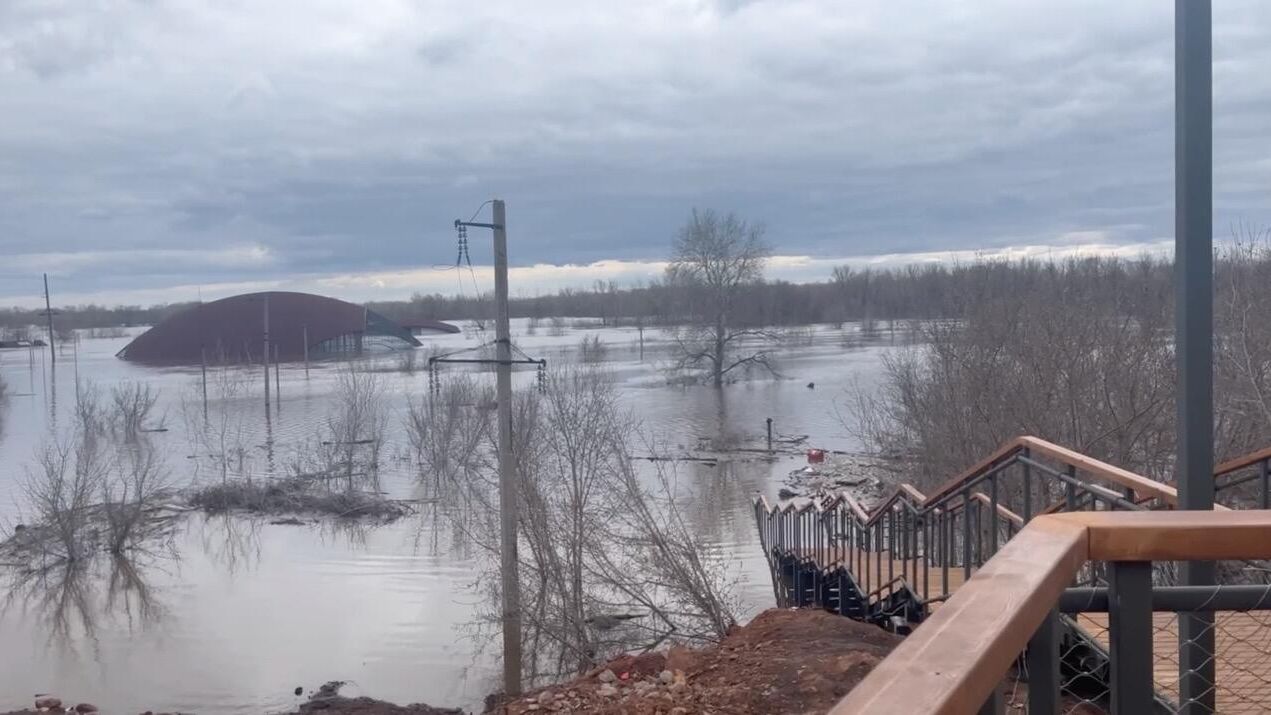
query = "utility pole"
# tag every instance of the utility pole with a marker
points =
(1194, 314)
(509, 485)
(509, 493)
(264, 358)
(48, 311)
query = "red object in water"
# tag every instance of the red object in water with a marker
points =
(816, 456)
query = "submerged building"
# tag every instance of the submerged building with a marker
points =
(290, 326)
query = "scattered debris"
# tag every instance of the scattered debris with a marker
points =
(784, 661)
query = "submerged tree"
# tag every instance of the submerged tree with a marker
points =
(714, 258)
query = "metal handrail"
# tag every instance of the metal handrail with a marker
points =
(955, 662)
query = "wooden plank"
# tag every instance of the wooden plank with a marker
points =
(953, 661)
(1175, 535)
(1124, 477)
(1242, 656)
(1248, 460)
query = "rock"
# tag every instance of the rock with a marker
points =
(545, 697)
(47, 702)
(679, 711)
(607, 676)
(786, 493)
(83, 708)
(299, 690)
(666, 677)
(607, 690)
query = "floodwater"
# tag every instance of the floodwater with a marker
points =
(236, 612)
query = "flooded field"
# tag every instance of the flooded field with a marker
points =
(237, 611)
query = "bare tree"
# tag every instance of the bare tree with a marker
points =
(132, 402)
(714, 257)
(353, 435)
(607, 566)
(61, 492)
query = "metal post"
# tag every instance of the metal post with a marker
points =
(265, 356)
(1193, 309)
(994, 704)
(508, 486)
(966, 534)
(1028, 488)
(277, 379)
(305, 330)
(1130, 636)
(203, 369)
(1264, 476)
(993, 515)
(48, 312)
(1043, 667)
(769, 434)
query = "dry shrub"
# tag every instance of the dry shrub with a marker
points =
(607, 565)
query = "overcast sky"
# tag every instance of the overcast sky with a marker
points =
(156, 150)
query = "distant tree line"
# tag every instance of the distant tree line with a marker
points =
(925, 291)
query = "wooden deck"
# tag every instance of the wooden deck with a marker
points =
(1243, 662)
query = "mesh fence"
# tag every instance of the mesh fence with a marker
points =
(1241, 660)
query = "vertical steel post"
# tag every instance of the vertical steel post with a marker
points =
(1193, 309)
(993, 515)
(1130, 636)
(1264, 476)
(1043, 667)
(1028, 489)
(509, 489)
(305, 336)
(966, 533)
(994, 704)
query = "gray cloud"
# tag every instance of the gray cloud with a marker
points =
(342, 138)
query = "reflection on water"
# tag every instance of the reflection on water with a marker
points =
(67, 600)
(251, 609)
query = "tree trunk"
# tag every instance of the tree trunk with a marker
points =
(718, 357)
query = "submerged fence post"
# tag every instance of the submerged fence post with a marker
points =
(264, 358)
(277, 380)
(305, 330)
(769, 434)
(203, 370)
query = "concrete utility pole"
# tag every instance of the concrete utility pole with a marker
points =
(264, 358)
(48, 312)
(509, 492)
(1194, 313)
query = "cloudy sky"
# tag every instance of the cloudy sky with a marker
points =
(160, 150)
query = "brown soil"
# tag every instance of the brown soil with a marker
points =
(367, 706)
(784, 661)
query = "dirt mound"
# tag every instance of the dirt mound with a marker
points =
(783, 661)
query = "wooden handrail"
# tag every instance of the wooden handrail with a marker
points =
(1143, 487)
(1248, 460)
(958, 656)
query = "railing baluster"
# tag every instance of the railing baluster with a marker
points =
(1043, 667)
(995, 704)
(993, 515)
(946, 534)
(926, 556)
(966, 533)
(1070, 490)
(1264, 474)
(1130, 636)
(1028, 488)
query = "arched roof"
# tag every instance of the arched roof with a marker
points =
(232, 330)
